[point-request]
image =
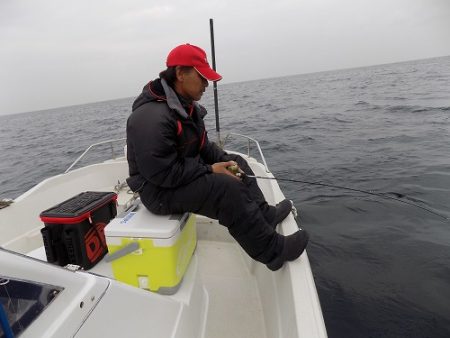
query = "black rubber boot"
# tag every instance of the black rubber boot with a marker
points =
(283, 209)
(293, 247)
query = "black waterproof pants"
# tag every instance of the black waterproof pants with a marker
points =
(238, 205)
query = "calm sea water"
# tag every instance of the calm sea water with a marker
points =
(382, 268)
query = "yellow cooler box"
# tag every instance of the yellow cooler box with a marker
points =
(151, 251)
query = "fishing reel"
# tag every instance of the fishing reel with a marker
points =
(236, 171)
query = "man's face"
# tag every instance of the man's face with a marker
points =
(191, 84)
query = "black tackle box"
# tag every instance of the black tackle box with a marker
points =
(74, 229)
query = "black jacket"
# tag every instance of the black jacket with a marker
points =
(166, 147)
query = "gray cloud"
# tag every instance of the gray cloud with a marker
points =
(60, 53)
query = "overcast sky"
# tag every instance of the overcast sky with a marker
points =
(59, 53)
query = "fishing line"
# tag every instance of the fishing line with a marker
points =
(382, 195)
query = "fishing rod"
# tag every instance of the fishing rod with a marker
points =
(216, 99)
(382, 195)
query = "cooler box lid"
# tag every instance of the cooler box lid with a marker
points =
(141, 223)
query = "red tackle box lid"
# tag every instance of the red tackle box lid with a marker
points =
(77, 208)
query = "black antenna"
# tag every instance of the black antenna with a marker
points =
(216, 99)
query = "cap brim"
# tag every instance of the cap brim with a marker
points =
(208, 73)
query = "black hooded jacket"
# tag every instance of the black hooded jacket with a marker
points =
(167, 144)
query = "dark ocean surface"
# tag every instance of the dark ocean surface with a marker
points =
(382, 268)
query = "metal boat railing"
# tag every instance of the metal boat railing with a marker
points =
(227, 137)
(110, 142)
(249, 140)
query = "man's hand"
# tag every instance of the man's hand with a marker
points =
(221, 168)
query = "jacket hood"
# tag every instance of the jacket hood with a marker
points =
(159, 90)
(152, 91)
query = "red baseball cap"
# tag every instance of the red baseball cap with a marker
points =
(192, 56)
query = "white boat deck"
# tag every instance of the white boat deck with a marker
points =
(235, 308)
(242, 297)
